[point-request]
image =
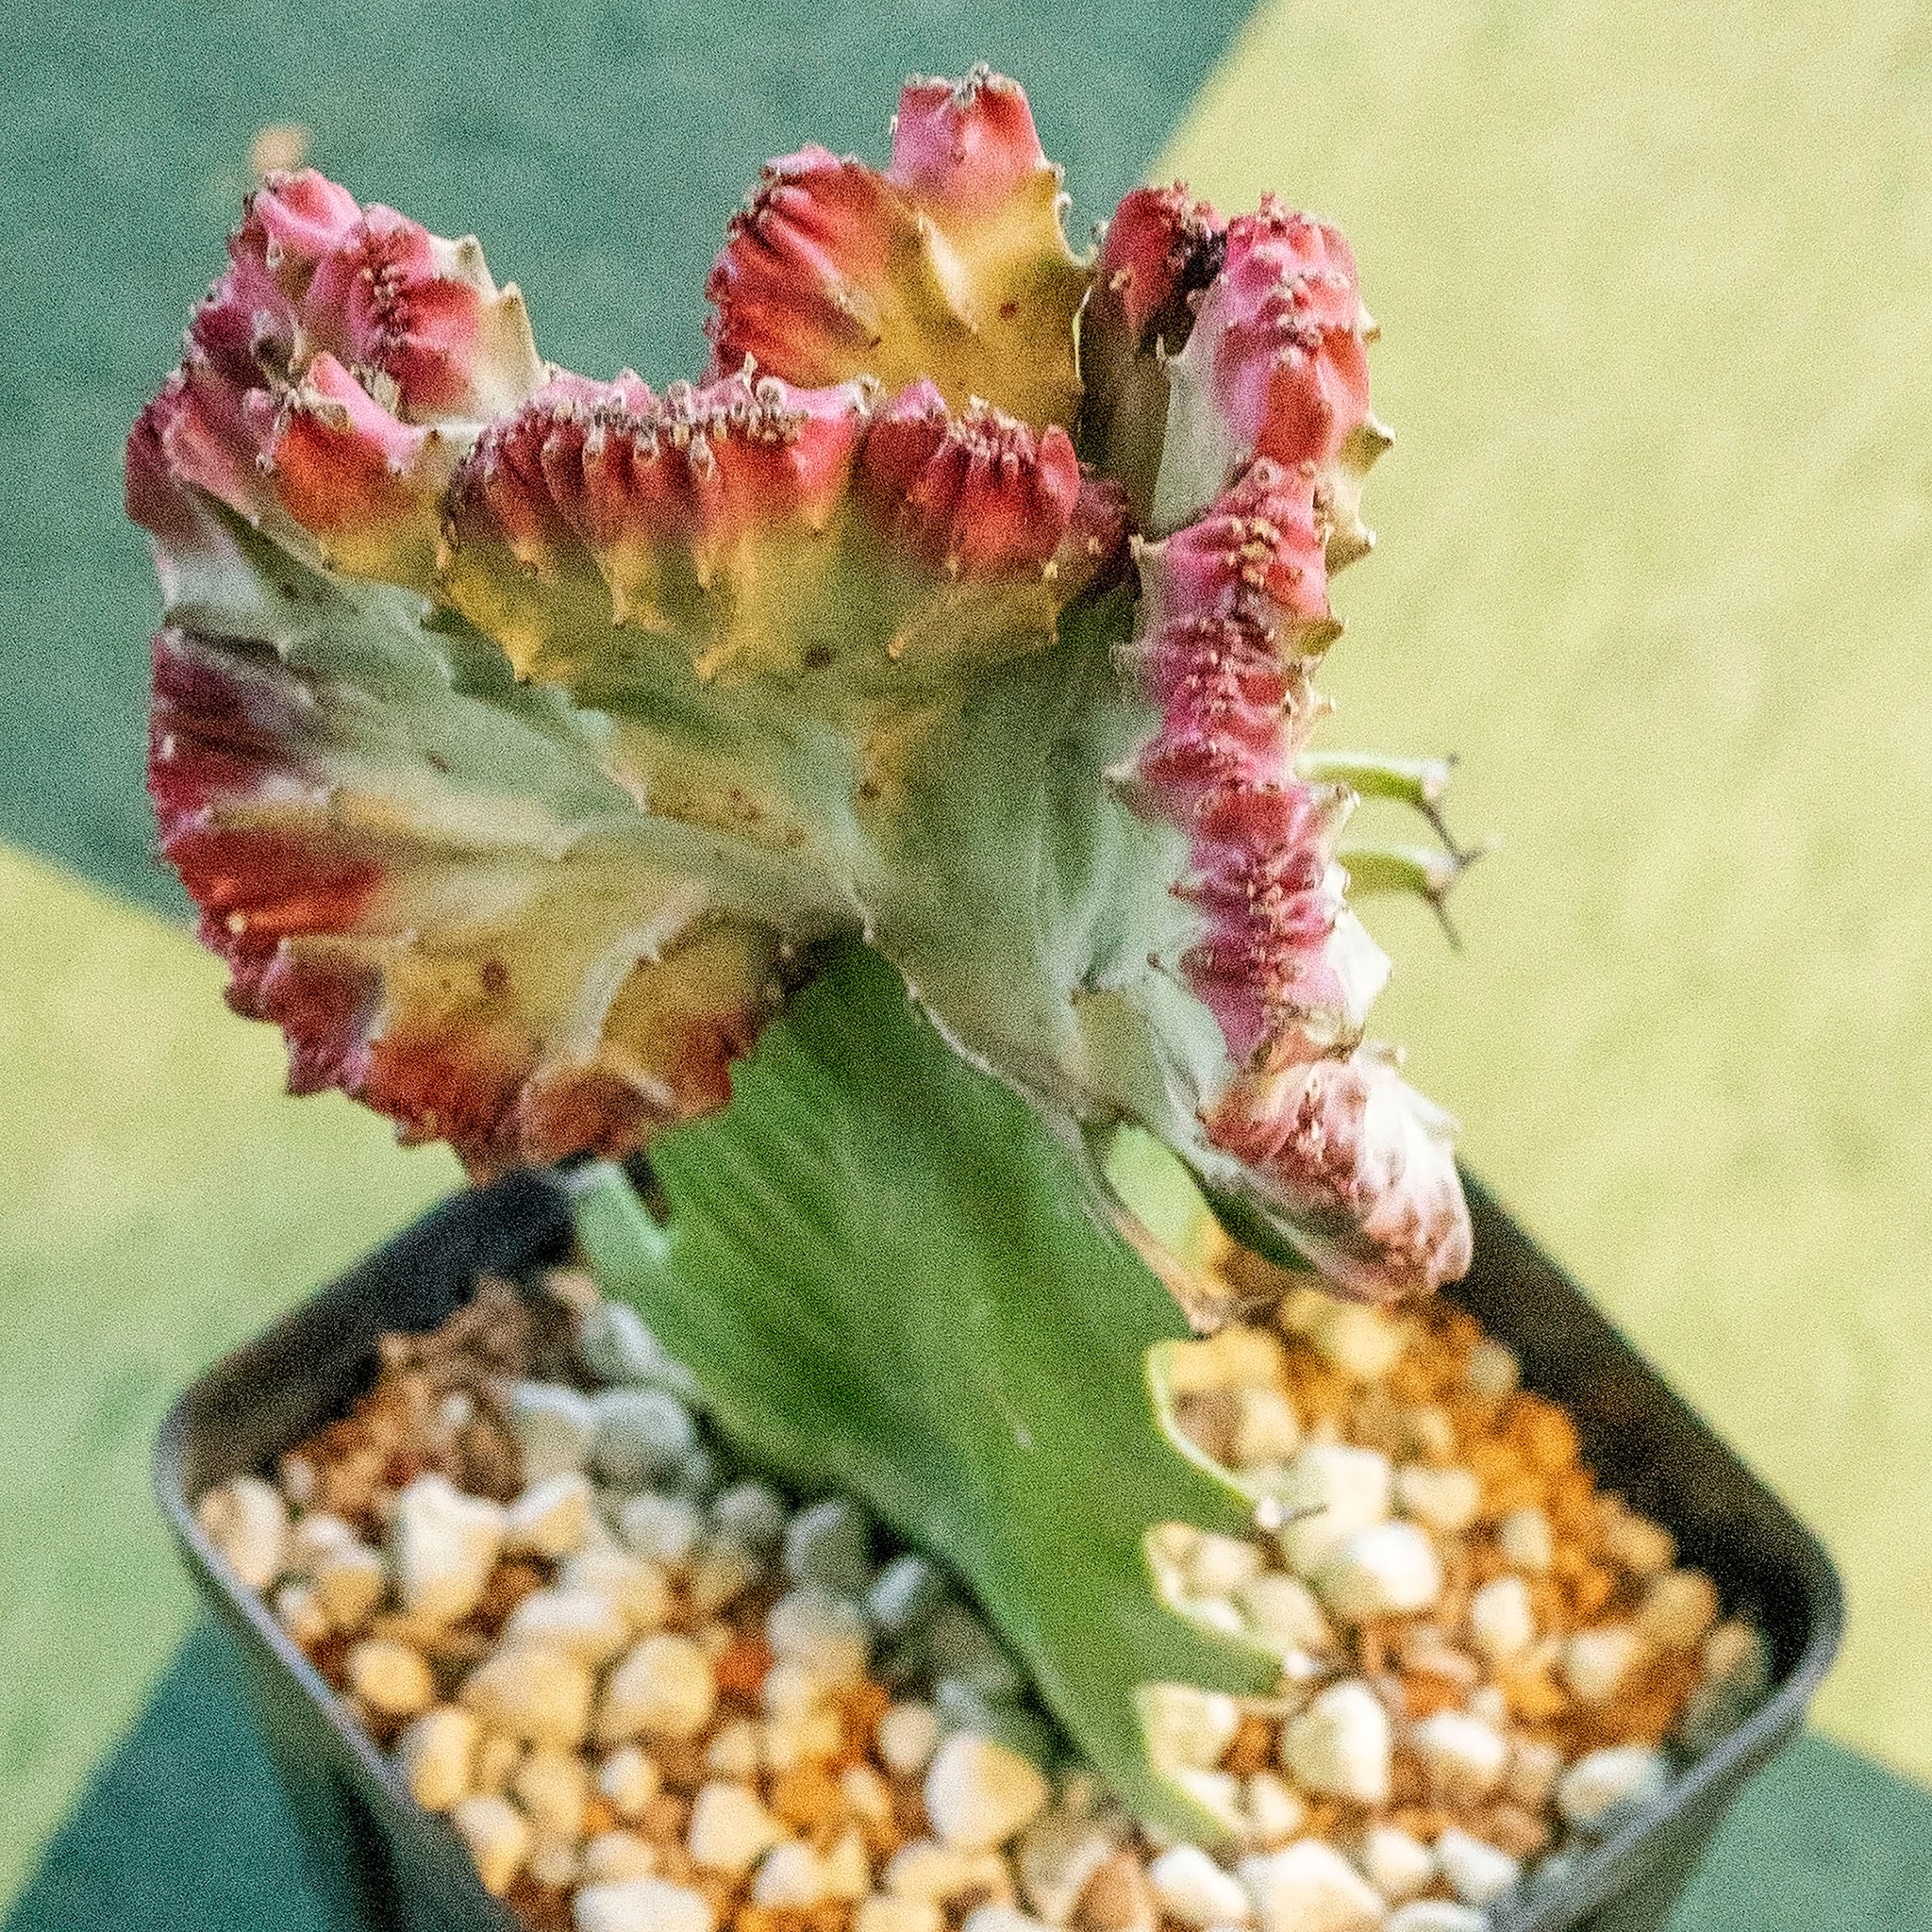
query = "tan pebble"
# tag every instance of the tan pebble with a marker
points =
(667, 1687)
(1332, 1490)
(978, 1793)
(1386, 1570)
(1283, 1613)
(1677, 1610)
(1190, 1887)
(351, 1581)
(314, 1536)
(618, 1855)
(1527, 1541)
(1364, 1342)
(247, 1521)
(1310, 1886)
(436, 1755)
(301, 1615)
(721, 1575)
(532, 1692)
(1448, 1500)
(1491, 1372)
(578, 1622)
(730, 1829)
(1276, 1810)
(1186, 1728)
(1476, 1870)
(1267, 1430)
(1429, 1432)
(867, 1794)
(553, 1788)
(1342, 1745)
(497, 1758)
(1534, 1769)
(639, 1589)
(908, 1733)
(925, 1869)
(1118, 1898)
(882, 1912)
(1502, 1623)
(998, 1917)
(1642, 1547)
(443, 1545)
(1056, 1857)
(628, 1780)
(391, 1678)
(551, 1518)
(556, 1862)
(736, 1752)
(1397, 1864)
(1464, 1758)
(497, 1836)
(1596, 1662)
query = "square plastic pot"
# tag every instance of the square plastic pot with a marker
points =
(377, 1855)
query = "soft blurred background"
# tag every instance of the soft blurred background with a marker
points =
(1655, 285)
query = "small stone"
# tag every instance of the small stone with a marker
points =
(553, 1787)
(699, 1475)
(1267, 1430)
(792, 1878)
(730, 1829)
(1477, 1870)
(443, 1545)
(979, 1794)
(1534, 1769)
(882, 1912)
(642, 1904)
(1331, 1492)
(497, 1758)
(1445, 1499)
(1001, 1917)
(1186, 1728)
(1191, 1887)
(617, 1348)
(555, 1863)
(530, 1691)
(866, 1793)
(1527, 1541)
(1491, 1372)
(1396, 1863)
(350, 1582)
(751, 1514)
(642, 1433)
(389, 1677)
(551, 1518)
(660, 1529)
(829, 1544)
(1276, 1810)
(1600, 1791)
(247, 1521)
(1216, 1792)
(554, 1425)
(823, 1634)
(1057, 1856)
(720, 1575)
(1642, 1547)
(299, 1611)
(313, 1537)
(637, 1587)
(1235, 1357)
(1283, 1613)
(1219, 1565)
(1502, 1619)
(905, 1595)
(1595, 1662)
(1310, 1886)
(578, 1623)
(1437, 1915)
(616, 1855)
(1342, 1745)
(628, 1781)
(736, 1752)
(574, 1290)
(498, 1839)
(1490, 1703)
(925, 1869)
(437, 1757)
(1388, 1570)
(666, 1688)
(1678, 1608)
(1430, 1431)
(1364, 1342)
(908, 1734)
(958, 1644)
(1465, 1758)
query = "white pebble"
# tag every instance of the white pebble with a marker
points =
(1284, 1614)
(1733, 1651)
(391, 1678)
(1437, 1915)
(1000, 1918)
(639, 1589)
(443, 1545)
(642, 1435)
(551, 1518)
(1600, 1788)
(907, 1736)
(628, 1781)
(553, 1787)
(866, 1793)
(613, 1855)
(751, 1514)
(1476, 1869)
(528, 1692)
(1276, 1810)
(1219, 1565)
(313, 1536)
(618, 1348)
(1678, 1608)
(1641, 1546)
(1389, 1569)
(1310, 1886)
(578, 1623)
(1190, 1887)
(1492, 1371)
(882, 1912)
(829, 1544)
(1267, 1430)
(1445, 1499)
(554, 1425)
(1216, 1792)
(1502, 1619)
(730, 1829)
(1490, 1703)
(1396, 1863)
(1526, 1541)
(661, 1529)
(1595, 1662)
(556, 1862)
(1534, 1769)
(350, 1581)
(666, 1688)
(1332, 1490)
(642, 1904)
(299, 1611)
(436, 1755)
(978, 1793)
(1465, 1758)
(925, 1869)
(792, 1877)
(823, 1634)
(1364, 1343)
(1186, 1728)
(247, 1521)
(497, 1838)
(1342, 1745)
(1059, 1854)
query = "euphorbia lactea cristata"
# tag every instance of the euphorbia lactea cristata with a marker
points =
(521, 736)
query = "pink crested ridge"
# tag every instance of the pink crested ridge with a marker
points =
(968, 144)
(1235, 607)
(1161, 248)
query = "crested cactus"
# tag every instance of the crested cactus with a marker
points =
(527, 740)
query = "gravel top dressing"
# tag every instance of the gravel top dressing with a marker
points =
(654, 1694)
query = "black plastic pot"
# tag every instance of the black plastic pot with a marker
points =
(373, 1852)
